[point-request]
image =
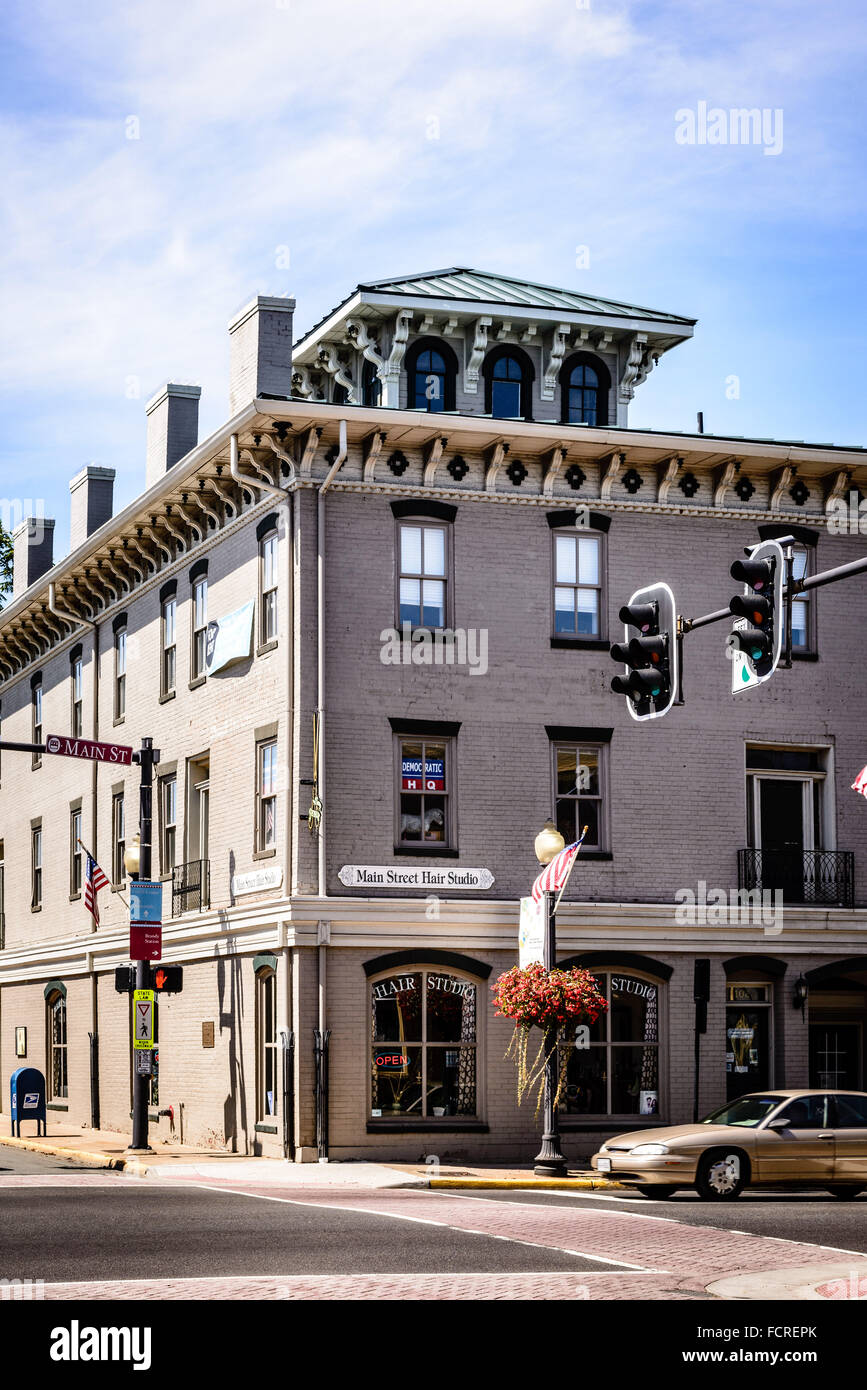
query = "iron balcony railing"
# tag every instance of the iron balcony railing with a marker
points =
(815, 877)
(191, 886)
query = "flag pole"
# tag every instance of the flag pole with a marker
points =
(93, 857)
(571, 867)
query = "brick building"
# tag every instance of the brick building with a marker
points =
(345, 817)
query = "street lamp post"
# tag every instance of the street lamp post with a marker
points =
(549, 1161)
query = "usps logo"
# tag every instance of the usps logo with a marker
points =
(31, 1100)
(431, 779)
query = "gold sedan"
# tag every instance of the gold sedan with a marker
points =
(768, 1138)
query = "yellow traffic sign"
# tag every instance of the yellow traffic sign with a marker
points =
(143, 1019)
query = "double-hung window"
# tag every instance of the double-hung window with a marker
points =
(803, 605)
(200, 626)
(268, 552)
(120, 672)
(578, 568)
(266, 817)
(425, 792)
(75, 852)
(579, 783)
(76, 672)
(168, 822)
(36, 716)
(422, 579)
(36, 865)
(169, 645)
(118, 838)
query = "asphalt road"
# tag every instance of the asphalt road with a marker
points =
(130, 1228)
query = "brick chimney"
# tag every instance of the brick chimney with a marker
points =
(260, 351)
(172, 428)
(32, 552)
(91, 493)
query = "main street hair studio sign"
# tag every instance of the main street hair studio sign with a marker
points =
(427, 876)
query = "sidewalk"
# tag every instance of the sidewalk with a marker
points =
(94, 1148)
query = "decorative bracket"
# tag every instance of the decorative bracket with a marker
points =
(477, 356)
(529, 333)
(552, 463)
(672, 468)
(839, 490)
(301, 384)
(431, 455)
(495, 457)
(399, 342)
(371, 449)
(609, 477)
(639, 363)
(784, 478)
(358, 336)
(724, 480)
(559, 341)
(330, 362)
(504, 331)
(308, 453)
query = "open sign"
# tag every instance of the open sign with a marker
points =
(390, 1061)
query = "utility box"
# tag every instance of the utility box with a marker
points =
(27, 1088)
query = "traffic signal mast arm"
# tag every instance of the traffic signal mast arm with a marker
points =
(797, 586)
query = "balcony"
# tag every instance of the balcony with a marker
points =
(816, 878)
(191, 886)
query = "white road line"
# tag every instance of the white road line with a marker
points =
(441, 1225)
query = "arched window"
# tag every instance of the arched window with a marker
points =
(508, 374)
(371, 386)
(618, 1072)
(431, 373)
(584, 386)
(58, 1076)
(266, 1043)
(423, 1045)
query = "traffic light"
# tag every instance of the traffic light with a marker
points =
(756, 639)
(168, 979)
(651, 682)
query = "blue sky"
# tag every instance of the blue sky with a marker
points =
(380, 139)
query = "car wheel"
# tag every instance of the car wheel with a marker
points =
(721, 1175)
(845, 1191)
(658, 1190)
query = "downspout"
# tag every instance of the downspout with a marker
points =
(324, 928)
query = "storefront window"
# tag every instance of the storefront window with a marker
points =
(618, 1074)
(423, 1062)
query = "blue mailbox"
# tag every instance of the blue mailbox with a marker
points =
(28, 1099)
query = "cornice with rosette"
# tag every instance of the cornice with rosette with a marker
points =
(559, 341)
(610, 476)
(667, 477)
(724, 479)
(431, 455)
(495, 457)
(477, 356)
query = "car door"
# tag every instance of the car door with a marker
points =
(804, 1150)
(850, 1138)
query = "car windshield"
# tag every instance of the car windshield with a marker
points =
(748, 1111)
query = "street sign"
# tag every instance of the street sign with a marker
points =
(145, 941)
(143, 1019)
(146, 901)
(93, 752)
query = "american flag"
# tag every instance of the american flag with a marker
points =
(860, 783)
(554, 875)
(94, 879)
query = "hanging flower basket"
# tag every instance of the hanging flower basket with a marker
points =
(556, 1002)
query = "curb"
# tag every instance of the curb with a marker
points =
(93, 1160)
(555, 1184)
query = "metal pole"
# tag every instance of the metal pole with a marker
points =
(140, 1080)
(549, 1161)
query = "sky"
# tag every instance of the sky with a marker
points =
(164, 162)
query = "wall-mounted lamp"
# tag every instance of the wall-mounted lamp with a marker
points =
(802, 990)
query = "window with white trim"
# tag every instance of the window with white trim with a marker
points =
(266, 795)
